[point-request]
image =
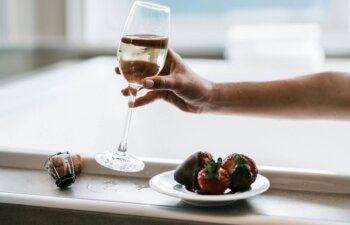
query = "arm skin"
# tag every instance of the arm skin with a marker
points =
(323, 95)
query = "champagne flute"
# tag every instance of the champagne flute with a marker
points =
(142, 52)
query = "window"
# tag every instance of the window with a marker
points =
(198, 26)
(202, 25)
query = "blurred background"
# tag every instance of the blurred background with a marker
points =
(58, 88)
(35, 33)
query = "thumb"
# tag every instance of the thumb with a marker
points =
(160, 82)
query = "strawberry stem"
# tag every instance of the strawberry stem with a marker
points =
(212, 168)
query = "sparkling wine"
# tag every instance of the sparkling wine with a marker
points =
(141, 56)
(142, 52)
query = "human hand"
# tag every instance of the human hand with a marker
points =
(176, 84)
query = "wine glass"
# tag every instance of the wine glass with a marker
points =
(142, 52)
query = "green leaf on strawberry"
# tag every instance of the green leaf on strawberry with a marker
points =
(213, 179)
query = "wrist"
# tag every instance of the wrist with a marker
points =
(213, 97)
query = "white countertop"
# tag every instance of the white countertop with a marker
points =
(132, 196)
(78, 107)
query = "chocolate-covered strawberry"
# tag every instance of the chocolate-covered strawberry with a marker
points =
(186, 172)
(213, 179)
(242, 171)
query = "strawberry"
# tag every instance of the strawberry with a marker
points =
(242, 171)
(203, 157)
(213, 179)
(186, 172)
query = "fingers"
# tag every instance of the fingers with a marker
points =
(161, 83)
(173, 55)
(149, 97)
(125, 91)
(128, 90)
(171, 59)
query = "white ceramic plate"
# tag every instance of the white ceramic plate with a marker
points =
(165, 183)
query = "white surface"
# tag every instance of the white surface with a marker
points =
(119, 196)
(165, 183)
(280, 177)
(80, 108)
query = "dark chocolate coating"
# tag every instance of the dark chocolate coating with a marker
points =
(185, 172)
(241, 178)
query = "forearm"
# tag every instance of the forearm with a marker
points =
(323, 95)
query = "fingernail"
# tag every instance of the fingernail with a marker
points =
(148, 83)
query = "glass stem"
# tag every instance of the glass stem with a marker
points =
(124, 141)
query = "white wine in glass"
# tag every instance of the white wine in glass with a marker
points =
(142, 52)
(141, 56)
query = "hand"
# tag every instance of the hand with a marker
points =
(321, 95)
(178, 85)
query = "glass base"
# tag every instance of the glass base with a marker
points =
(120, 162)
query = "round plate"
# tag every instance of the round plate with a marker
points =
(165, 183)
